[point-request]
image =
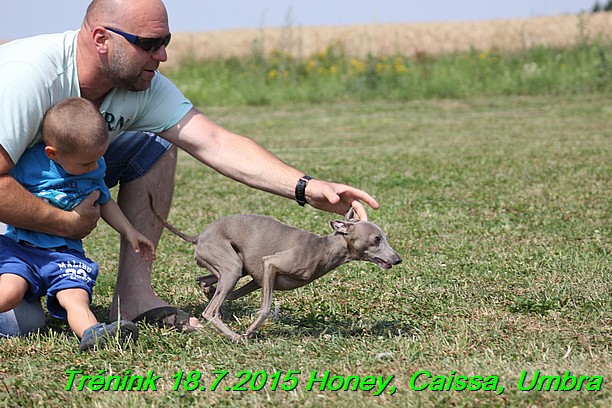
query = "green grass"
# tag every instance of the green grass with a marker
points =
(499, 206)
(332, 74)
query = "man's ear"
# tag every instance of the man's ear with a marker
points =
(342, 227)
(51, 152)
(100, 36)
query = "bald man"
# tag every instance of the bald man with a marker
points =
(112, 61)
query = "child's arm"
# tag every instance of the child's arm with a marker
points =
(112, 214)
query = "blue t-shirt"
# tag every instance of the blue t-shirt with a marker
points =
(47, 180)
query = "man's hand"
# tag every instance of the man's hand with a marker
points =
(338, 198)
(243, 160)
(87, 214)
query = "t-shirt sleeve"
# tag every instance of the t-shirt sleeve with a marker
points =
(24, 100)
(104, 194)
(165, 106)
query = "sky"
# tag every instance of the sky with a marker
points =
(22, 18)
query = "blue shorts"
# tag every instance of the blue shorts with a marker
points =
(48, 271)
(131, 154)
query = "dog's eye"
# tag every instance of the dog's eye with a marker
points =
(377, 240)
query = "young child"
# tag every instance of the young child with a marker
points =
(63, 170)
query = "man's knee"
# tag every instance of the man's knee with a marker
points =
(24, 319)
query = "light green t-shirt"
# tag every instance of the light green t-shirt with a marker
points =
(37, 72)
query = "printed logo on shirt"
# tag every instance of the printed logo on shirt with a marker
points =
(114, 123)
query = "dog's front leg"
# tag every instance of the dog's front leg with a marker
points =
(270, 270)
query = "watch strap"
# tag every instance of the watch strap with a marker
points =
(300, 190)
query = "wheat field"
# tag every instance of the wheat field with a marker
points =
(407, 39)
(432, 38)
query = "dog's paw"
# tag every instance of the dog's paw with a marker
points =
(206, 284)
(235, 337)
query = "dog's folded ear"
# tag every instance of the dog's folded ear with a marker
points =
(351, 216)
(342, 227)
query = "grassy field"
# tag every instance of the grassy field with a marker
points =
(500, 208)
(562, 55)
(333, 75)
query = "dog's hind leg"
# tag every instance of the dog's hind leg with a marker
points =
(206, 284)
(227, 267)
(212, 312)
(243, 290)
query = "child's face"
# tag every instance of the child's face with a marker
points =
(79, 162)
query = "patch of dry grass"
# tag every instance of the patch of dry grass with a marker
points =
(406, 39)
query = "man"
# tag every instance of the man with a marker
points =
(112, 61)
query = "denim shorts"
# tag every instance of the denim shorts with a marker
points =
(48, 271)
(131, 154)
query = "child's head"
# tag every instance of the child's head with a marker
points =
(75, 135)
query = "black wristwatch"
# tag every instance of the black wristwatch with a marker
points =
(300, 189)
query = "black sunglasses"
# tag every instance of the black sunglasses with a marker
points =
(147, 44)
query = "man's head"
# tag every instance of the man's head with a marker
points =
(75, 135)
(130, 37)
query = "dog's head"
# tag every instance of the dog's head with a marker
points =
(366, 241)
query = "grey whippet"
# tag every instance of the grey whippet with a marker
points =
(276, 256)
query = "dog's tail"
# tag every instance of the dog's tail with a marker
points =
(171, 228)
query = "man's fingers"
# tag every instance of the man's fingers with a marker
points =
(330, 195)
(87, 214)
(339, 198)
(92, 197)
(360, 210)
